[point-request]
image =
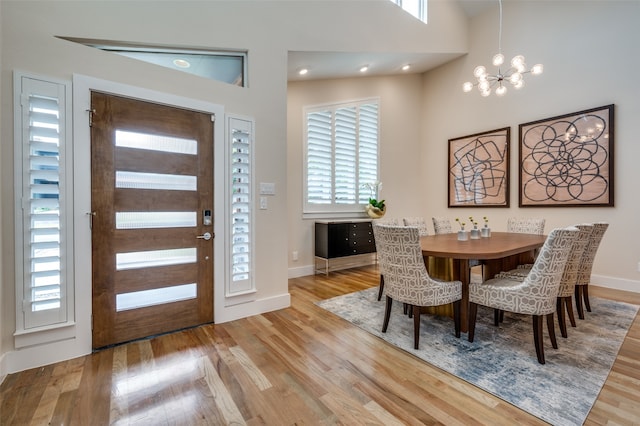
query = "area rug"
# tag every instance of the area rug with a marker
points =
(502, 360)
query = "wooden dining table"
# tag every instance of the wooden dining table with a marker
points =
(502, 251)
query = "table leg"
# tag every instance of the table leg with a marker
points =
(464, 275)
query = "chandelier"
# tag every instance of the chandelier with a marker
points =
(514, 74)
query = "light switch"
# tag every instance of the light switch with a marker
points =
(267, 188)
(263, 203)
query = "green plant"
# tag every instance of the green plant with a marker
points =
(376, 203)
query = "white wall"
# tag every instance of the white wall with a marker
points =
(266, 29)
(590, 51)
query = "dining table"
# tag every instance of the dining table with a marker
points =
(502, 251)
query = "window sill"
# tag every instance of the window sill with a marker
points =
(42, 335)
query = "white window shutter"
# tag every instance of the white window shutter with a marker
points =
(341, 156)
(42, 237)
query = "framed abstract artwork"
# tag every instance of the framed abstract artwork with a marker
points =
(479, 169)
(568, 160)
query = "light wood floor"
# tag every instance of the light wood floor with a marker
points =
(299, 365)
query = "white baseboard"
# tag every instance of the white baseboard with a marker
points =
(615, 283)
(301, 271)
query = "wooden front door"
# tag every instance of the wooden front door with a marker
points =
(152, 211)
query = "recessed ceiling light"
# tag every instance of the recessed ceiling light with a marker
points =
(406, 67)
(303, 71)
(181, 63)
(364, 68)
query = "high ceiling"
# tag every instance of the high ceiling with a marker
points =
(326, 65)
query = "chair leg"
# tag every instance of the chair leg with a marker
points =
(561, 319)
(381, 290)
(537, 337)
(552, 330)
(578, 294)
(456, 316)
(496, 317)
(416, 326)
(569, 305)
(387, 313)
(585, 295)
(473, 311)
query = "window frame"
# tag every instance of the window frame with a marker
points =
(333, 209)
(48, 325)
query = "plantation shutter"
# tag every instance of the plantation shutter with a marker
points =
(319, 157)
(341, 156)
(368, 148)
(42, 244)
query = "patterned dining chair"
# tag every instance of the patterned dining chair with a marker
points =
(387, 221)
(417, 222)
(442, 225)
(406, 277)
(526, 225)
(536, 295)
(586, 265)
(568, 280)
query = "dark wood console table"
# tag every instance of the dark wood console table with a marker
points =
(336, 239)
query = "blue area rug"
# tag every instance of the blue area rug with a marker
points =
(502, 360)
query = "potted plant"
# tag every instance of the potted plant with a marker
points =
(375, 208)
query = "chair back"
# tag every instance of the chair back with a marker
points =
(442, 225)
(543, 282)
(417, 222)
(589, 254)
(400, 257)
(526, 225)
(570, 274)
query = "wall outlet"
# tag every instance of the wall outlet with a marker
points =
(294, 255)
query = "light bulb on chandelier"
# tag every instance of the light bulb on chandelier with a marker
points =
(514, 74)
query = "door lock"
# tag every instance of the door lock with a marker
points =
(206, 236)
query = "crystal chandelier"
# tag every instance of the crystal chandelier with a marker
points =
(514, 74)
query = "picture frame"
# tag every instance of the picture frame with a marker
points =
(478, 172)
(567, 160)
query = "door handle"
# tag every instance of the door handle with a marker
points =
(206, 236)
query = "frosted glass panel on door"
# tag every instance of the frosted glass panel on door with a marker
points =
(156, 296)
(146, 220)
(134, 180)
(156, 142)
(147, 259)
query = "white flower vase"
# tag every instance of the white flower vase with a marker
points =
(462, 235)
(485, 232)
(475, 234)
(374, 212)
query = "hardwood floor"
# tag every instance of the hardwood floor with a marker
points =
(299, 365)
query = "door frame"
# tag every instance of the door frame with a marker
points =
(82, 87)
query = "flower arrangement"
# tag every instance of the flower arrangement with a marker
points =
(474, 223)
(461, 224)
(486, 221)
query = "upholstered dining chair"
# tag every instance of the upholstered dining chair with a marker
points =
(526, 225)
(586, 265)
(568, 280)
(392, 221)
(441, 225)
(417, 222)
(406, 277)
(535, 295)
